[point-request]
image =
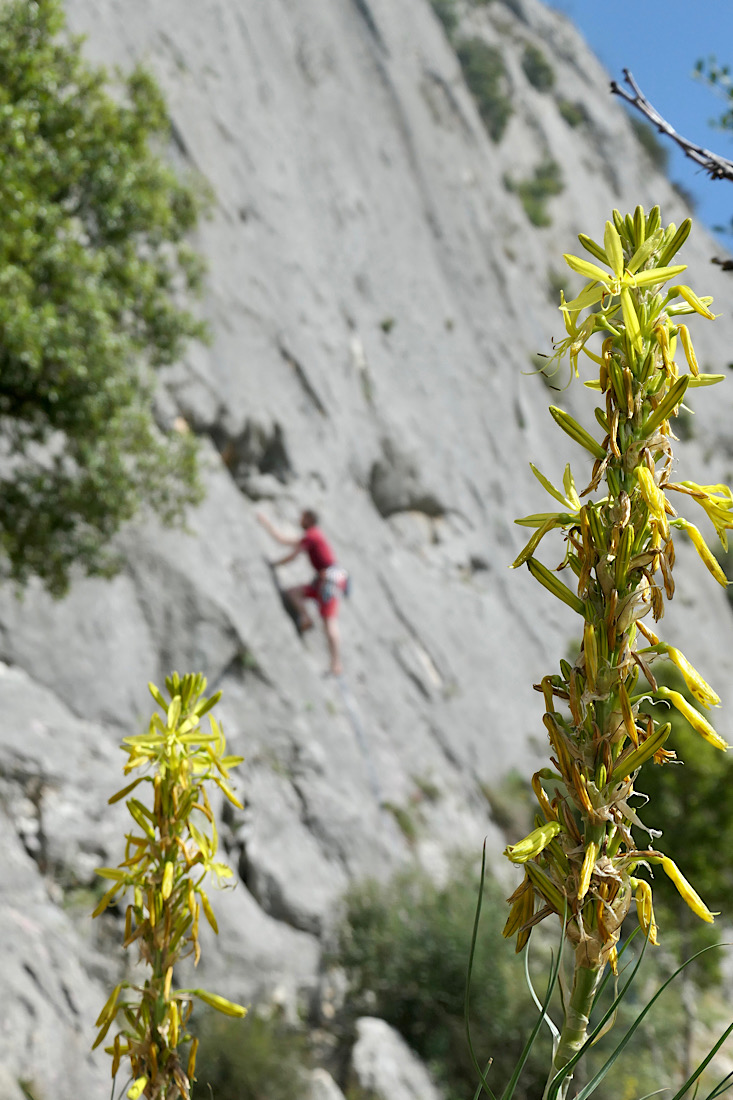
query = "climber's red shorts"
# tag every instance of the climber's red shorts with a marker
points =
(326, 591)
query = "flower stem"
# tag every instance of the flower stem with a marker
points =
(575, 1028)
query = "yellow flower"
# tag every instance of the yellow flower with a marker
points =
(221, 1004)
(698, 722)
(654, 498)
(578, 335)
(699, 687)
(708, 559)
(589, 862)
(613, 284)
(689, 350)
(699, 305)
(717, 502)
(532, 844)
(645, 908)
(689, 895)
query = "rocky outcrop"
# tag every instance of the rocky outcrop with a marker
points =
(376, 296)
(384, 1068)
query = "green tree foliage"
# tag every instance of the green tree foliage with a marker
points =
(251, 1059)
(405, 948)
(574, 113)
(537, 68)
(544, 183)
(486, 76)
(94, 275)
(718, 77)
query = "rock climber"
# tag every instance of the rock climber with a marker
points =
(329, 583)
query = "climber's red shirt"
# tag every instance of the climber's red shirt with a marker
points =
(318, 549)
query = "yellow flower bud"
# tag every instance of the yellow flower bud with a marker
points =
(532, 844)
(689, 895)
(709, 561)
(589, 862)
(699, 687)
(221, 1004)
(698, 722)
(645, 909)
(167, 885)
(653, 497)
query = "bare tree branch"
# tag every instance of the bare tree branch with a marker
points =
(717, 167)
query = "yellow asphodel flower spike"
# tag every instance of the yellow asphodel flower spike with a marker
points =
(698, 722)
(686, 891)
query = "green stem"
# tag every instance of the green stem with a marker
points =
(575, 1027)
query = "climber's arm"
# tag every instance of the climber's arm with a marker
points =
(289, 557)
(274, 532)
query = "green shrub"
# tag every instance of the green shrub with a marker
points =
(405, 947)
(95, 278)
(534, 192)
(574, 114)
(537, 68)
(485, 74)
(647, 138)
(446, 13)
(252, 1059)
(406, 821)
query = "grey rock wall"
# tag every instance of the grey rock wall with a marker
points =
(376, 295)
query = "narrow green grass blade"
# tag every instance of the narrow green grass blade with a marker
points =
(553, 1030)
(554, 971)
(703, 1065)
(722, 1086)
(482, 1083)
(467, 999)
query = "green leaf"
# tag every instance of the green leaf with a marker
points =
(126, 790)
(467, 997)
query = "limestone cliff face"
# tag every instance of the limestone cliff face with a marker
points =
(376, 296)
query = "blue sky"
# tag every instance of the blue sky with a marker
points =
(660, 41)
